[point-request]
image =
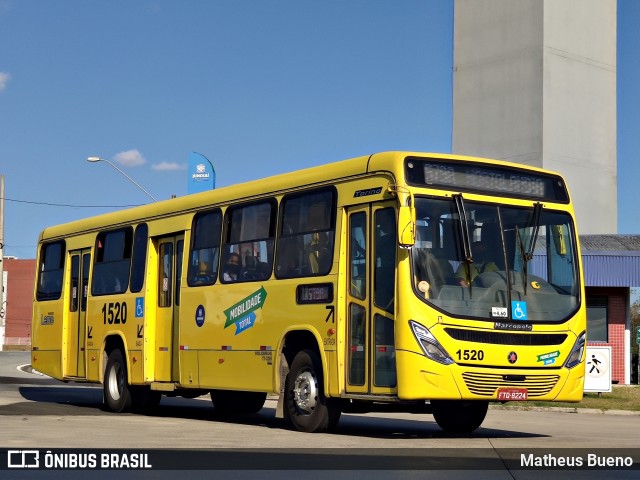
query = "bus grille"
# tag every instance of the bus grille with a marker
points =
(500, 338)
(487, 383)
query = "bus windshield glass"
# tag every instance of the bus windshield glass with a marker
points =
(495, 262)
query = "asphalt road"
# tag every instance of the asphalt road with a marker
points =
(37, 412)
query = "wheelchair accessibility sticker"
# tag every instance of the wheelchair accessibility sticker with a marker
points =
(139, 307)
(519, 310)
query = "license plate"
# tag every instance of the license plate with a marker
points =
(513, 394)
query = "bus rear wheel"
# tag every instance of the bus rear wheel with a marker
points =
(232, 402)
(459, 416)
(117, 394)
(305, 406)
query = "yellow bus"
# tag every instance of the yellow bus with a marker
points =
(399, 281)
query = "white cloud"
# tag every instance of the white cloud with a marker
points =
(130, 158)
(168, 166)
(4, 79)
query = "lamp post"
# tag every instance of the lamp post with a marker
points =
(99, 159)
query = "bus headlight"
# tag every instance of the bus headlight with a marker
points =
(575, 357)
(430, 346)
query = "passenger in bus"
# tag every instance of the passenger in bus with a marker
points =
(232, 269)
(482, 263)
(204, 275)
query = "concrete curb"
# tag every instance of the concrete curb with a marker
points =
(593, 411)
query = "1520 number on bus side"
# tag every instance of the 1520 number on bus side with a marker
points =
(114, 313)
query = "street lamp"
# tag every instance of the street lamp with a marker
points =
(99, 159)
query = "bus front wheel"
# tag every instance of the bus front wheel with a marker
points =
(117, 394)
(306, 408)
(459, 416)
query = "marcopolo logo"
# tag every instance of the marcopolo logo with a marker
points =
(243, 313)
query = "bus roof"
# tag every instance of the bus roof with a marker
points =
(391, 161)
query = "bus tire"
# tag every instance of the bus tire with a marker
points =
(117, 393)
(230, 402)
(305, 406)
(459, 416)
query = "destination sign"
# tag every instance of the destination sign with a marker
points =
(316, 293)
(485, 178)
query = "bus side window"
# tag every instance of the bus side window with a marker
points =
(249, 241)
(307, 233)
(205, 248)
(139, 257)
(112, 262)
(51, 271)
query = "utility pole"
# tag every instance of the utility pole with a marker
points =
(3, 312)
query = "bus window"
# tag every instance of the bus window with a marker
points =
(112, 262)
(166, 274)
(139, 257)
(385, 371)
(75, 274)
(358, 255)
(357, 348)
(385, 259)
(248, 249)
(307, 232)
(50, 271)
(205, 249)
(84, 286)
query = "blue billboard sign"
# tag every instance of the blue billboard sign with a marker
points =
(202, 175)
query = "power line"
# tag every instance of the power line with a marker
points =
(69, 205)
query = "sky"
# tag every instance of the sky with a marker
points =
(258, 87)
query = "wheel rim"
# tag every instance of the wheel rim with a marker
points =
(305, 392)
(116, 382)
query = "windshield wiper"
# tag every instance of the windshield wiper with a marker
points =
(464, 236)
(537, 209)
(527, 255)
(525, 260)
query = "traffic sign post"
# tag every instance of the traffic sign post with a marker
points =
(598, 370)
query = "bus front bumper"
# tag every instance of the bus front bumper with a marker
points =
(422, 378)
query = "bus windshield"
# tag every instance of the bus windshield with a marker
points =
(495, 262)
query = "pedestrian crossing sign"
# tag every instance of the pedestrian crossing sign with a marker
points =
(598, 369)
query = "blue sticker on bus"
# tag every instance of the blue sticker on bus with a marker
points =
(200, 315)
(519, 310)
(245, 323)
(139, 307)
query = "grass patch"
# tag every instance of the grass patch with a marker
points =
(620, 398)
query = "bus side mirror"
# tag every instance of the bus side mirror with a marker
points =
(406, 226)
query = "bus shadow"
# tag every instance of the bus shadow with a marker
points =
(423, 427)
(74, 400)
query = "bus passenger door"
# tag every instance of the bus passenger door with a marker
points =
(370, 299)
(80, 261)
(169, 274)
